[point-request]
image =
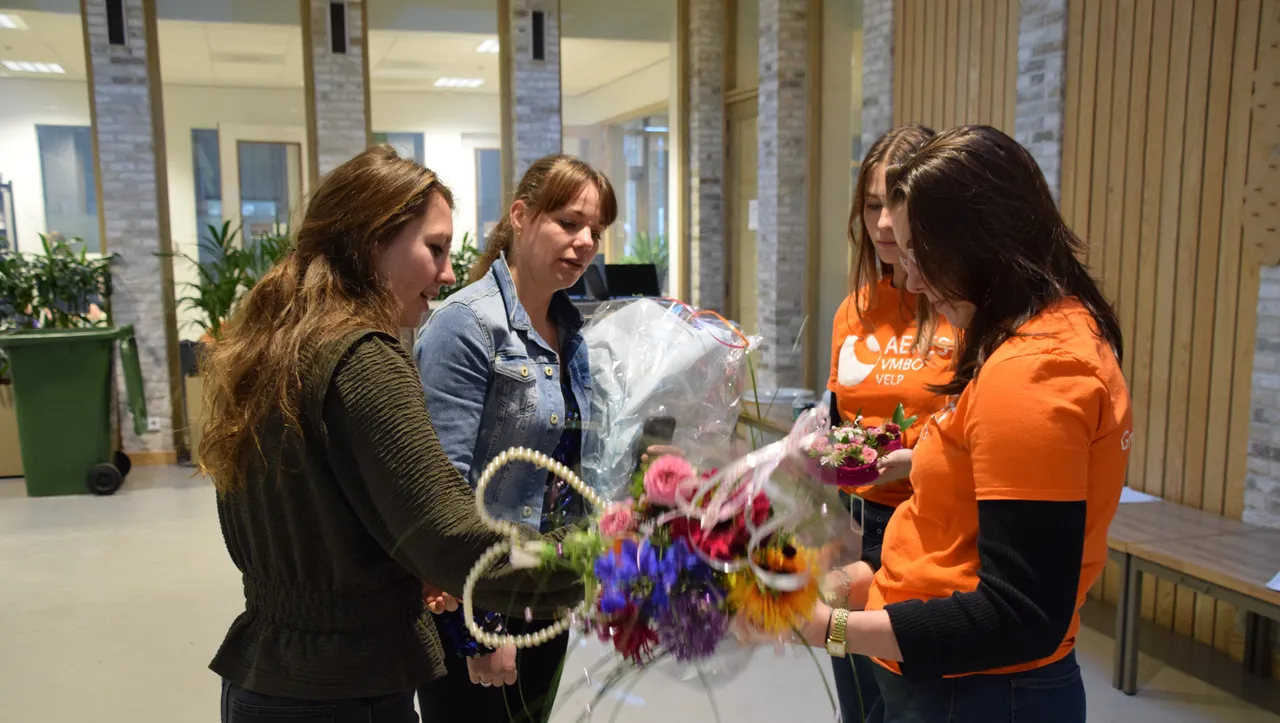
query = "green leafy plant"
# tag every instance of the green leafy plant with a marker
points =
(649, 249)
(65, 288)
(232, 269)
(462, 259)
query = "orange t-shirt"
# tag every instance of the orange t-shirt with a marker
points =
(874, 368)
(1047, 419)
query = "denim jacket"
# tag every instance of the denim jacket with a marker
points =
(492, 383)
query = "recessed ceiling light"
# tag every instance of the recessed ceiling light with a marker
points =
(459, 82)
(490, 45)
(23, 66)
(11, 22)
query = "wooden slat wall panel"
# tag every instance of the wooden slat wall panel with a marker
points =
(959, 63)
(1160, 111)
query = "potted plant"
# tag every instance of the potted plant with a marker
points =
(231, 270)
(63, 288)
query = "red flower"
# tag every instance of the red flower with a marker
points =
(727, 540)
(631, 636)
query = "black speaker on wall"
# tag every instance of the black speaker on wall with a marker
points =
(539, 35)
(338, 27)
(115, 22)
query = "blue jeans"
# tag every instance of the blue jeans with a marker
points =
(1052, 694)
(856, 686)
(245, 706)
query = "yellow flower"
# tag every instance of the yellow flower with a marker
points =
(776, 611)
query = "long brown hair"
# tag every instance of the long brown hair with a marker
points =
(549, 185)
(325, 287)
(985, 229)
(889, 150)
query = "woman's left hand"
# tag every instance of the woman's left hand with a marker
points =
(437, 600)
(894, 466)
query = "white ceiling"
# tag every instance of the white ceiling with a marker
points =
(270, 55)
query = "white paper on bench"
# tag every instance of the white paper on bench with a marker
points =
(1129, 494)
(1275, 583)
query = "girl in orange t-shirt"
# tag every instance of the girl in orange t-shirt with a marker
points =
(974, 613)
(887, 348)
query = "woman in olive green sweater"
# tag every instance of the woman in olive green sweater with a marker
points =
(335, 497)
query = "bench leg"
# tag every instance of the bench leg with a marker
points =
(1122, 603)
(1257, 645)
(1132, 621)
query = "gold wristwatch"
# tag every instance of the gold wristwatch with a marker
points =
(836, 633)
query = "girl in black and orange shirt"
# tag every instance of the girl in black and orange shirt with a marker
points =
(973, 615)
(887, 348)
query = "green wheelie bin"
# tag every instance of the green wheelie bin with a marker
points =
(63, 383)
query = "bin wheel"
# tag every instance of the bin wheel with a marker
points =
(123, 463)
(105, 479)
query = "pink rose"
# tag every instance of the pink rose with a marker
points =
(874, 432)
(869, 455)
(618, 520)
(665, 477)
(821, 445)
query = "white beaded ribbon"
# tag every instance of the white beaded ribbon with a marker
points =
(515, 546)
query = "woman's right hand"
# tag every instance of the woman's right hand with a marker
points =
(496, 668)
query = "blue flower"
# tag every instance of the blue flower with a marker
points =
(617, 572)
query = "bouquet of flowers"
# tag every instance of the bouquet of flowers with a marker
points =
(668, 566)
(848, 455)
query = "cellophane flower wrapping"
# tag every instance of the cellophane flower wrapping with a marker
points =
(682, 549)
(653, 358)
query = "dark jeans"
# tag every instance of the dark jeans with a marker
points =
(856, 686)
(455, 698)
(1052, 694)
(245, 706)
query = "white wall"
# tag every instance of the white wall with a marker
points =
(641, 89)
(453, 125)
(28, 103)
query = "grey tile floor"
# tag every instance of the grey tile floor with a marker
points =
(110, 609)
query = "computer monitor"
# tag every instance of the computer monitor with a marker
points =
(591, 285)
(626, 280)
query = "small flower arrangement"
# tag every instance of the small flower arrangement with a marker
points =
(849, 454)
(669, 567)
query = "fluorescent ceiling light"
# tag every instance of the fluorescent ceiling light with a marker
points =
(655, 129)
(23, 66)
(459, 82)
(11, 22)
(488, 46)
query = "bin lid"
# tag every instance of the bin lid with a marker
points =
(33, 337)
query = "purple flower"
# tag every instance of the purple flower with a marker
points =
(694, 624)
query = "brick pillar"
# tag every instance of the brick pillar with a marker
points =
(337, 85)
(531, 126)
(877, 70)
(782, 237)
(128, 125)
(707, 154)
(1042, 84)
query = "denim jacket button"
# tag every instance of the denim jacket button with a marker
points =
(550, 371)
(555, 419)
(524, 371)
(528, 511)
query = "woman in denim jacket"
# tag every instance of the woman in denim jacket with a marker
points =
(504, 364)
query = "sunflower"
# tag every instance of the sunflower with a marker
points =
(776, 611)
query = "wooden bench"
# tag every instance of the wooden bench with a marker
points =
(1219, 557)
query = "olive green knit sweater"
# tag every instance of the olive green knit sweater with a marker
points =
(334, 534)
